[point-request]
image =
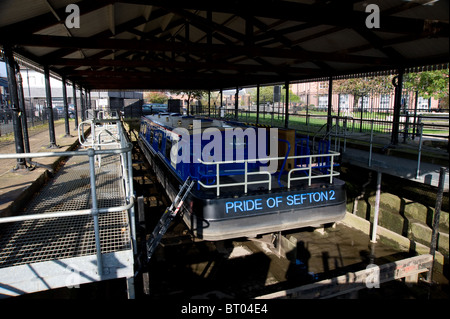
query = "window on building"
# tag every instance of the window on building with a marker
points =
(405, 101)
(343, 101)
(384, 102)
(423, 104)
(363, 102)
(323, 101)
(323, 85)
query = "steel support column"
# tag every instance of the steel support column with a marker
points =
(66, 107)
(51, 122)
(286, 108)
(74, 88)
(82, 104)
(221, 111)
(236, 104)
(437, 212)
(18, 136)
(209, 103)
(397, 105)
(257, 104)
(330, 104)
(86, 100)
(23, 113)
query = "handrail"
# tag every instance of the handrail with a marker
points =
(67, 213)
(285, 160)
(309, 167)
(121, 150)
(96, 132)
(127, 177)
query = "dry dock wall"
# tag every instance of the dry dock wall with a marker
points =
(406, 212)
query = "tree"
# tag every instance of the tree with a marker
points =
(293, 98)
(265, 93)
(191, 95)
(360, 87)
(429, 84)
(155, 97)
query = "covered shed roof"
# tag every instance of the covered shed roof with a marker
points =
(204, 44)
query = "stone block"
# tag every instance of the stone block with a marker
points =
(392, 221)
(420, 232)
(443, 243)
(425, 214)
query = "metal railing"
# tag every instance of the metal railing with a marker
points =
(123, 147)
(98, 128)
(341, 133)
(315, 161)
(103, 132)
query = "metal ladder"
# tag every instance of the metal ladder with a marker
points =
(169, 214)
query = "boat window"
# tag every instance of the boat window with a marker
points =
(151, 135)
(160, 140)
(168, 147)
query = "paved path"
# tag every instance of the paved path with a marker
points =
(397, 166)
(14, 183)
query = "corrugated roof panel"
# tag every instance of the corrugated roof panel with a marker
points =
(307, 33)
(40, 51)
(431, 10)
(11, 13)
(92, 23)
(335, 41)
(124, 12)
(423, 48)
(56, 30)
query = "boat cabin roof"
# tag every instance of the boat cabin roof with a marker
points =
(171, 121)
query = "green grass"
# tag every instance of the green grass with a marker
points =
(315, 123)
(10, 136)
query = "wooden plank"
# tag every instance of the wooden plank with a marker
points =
(368, 278)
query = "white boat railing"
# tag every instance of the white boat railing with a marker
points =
(315, 161)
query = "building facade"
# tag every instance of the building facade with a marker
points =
(315, 95)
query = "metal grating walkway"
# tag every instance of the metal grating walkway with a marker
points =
(56, 238)
(71, 189)
(36, 254)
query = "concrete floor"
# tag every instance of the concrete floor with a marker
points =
(250, 268)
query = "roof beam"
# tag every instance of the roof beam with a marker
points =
(164, 80)
(286, 10)
(126, 63)
(195, 48)
(187, 75)
(206, 25)
(124, 27)
(49, 19)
